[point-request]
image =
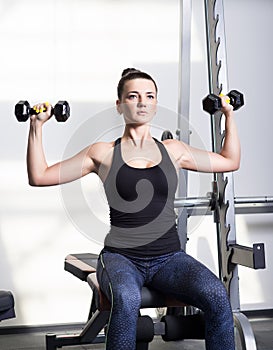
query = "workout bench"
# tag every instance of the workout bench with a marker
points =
(6, 305)
(172, 326)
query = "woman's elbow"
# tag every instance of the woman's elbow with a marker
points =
(235, 165)
(43, 180)
(34, 182)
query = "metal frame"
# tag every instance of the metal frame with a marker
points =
(243, 205)
(221, 199)
(183, 131)
(229, 253)
(225, 221)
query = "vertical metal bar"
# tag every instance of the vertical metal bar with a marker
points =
(226, 230)
(184, 70)
(184, 105)
(210, 33)
(218, 81)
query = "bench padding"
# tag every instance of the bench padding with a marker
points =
(6, 305)
(81, 265)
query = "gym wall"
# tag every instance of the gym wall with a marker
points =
(76, 50)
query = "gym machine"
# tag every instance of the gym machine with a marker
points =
(230, 254)
(221, 199)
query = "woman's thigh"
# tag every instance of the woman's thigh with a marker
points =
(189, 281)
(119, 278)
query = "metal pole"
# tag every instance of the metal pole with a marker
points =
(217, 69)
(195, 202)
(253, 200)
(225, 224)
(188, 202)
(184, 105)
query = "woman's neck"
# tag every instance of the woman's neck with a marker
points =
(137, 134)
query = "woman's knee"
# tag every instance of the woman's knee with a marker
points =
(127, 300)
(219, 303)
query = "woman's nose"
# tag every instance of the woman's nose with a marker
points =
(141, 101)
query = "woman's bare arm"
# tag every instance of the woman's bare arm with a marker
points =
(39, 173)
(195, 159)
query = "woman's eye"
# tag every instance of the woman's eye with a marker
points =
(132, 97)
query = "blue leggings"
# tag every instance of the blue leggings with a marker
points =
(177, 274)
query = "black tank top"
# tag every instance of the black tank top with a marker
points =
(141, 200)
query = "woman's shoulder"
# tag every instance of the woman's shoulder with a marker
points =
(178, 150)
(101, 154)
(173, 145)
(101, 148)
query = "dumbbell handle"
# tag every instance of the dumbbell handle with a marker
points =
(33, 111)
(230, 99)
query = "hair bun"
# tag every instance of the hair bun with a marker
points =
(129, 71)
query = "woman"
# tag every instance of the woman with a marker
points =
(139, 175)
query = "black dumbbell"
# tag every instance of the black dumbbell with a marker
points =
(212, 103)
(23, 111)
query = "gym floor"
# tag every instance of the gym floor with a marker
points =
(34, 338)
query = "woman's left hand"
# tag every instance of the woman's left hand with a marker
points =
(226, 106)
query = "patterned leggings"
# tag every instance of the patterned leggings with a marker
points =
(177, 274)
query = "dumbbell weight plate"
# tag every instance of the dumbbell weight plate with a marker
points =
(236, 99)
(212, 103)
(22, 109)
(62, 111)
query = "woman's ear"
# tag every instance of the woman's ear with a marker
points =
(118, 106)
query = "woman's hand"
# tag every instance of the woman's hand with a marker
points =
(226, 106)
(44, 112)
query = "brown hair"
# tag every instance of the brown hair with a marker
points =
(130, 74)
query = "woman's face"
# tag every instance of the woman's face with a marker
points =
(138, 102)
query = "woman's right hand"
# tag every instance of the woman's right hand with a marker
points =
(44, 112)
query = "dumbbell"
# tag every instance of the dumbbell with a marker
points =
(23, 111)
(212, 103)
